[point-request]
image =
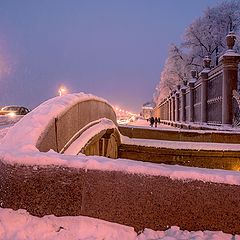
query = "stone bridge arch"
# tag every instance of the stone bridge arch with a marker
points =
(100, 137)
(71, 123)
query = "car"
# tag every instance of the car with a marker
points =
(123, 121)
(14, 110)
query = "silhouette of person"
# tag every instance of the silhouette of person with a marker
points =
(155, 121)
(151, 121)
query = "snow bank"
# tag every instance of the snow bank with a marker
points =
(176, 233)
(20, 225)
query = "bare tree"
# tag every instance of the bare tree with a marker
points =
(173, 73)
(204, 37)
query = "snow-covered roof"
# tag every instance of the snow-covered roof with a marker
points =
(148, 105)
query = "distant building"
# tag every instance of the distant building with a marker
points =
(147, 109)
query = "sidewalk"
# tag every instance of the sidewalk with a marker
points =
(145, 123)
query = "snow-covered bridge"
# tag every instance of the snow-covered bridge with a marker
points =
(71, 124)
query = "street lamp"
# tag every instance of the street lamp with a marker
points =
(62, 90)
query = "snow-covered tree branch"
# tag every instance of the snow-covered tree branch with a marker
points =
(203, 37)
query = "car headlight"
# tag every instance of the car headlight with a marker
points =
(11, 114)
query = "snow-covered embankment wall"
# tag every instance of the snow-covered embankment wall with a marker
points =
(141, 201)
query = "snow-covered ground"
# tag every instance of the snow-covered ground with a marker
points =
(20, 225)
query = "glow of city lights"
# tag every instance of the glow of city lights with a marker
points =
(121, 112)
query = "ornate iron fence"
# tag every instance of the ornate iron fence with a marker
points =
(236, 109)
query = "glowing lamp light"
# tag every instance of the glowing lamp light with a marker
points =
(62, 90)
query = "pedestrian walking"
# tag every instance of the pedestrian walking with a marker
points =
(156, 121)
(151, 121)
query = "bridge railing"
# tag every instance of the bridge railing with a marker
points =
(206, 98)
